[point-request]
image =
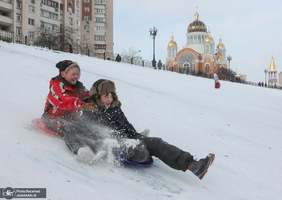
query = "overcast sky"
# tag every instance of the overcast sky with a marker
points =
(250, 29)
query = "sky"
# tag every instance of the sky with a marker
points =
(251, 30)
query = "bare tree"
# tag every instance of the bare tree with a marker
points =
(47, 39)
(131, 56)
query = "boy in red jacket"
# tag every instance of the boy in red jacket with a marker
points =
(63, 108)
(64, 102)
(66, 93)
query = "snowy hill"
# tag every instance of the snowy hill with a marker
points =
(241, 124)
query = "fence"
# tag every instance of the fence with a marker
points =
(6, 36)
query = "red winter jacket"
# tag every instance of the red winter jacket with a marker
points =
(64, 98)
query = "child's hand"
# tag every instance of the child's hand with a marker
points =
(89, 106)
(92, 91)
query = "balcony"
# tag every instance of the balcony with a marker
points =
(49, 8)
(6, 5)
(6, 21)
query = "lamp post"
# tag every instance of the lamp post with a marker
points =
(265, 73)
(229, 58)
(153, 33)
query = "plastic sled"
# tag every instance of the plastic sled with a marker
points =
(40, 125)
(133, 163)
(147, 163)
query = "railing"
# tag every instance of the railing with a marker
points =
(6, 36)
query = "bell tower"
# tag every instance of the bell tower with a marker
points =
(272, 73)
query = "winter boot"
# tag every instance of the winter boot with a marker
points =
(200, 168)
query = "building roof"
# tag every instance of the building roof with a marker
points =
(197, 25)
(172, 44)
(272, 66)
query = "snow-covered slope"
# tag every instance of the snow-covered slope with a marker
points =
(240, 123)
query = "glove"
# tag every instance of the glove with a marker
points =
(89, 107)
(145, 132)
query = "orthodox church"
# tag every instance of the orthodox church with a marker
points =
(272, 73)
(274, 78)
(200, 55)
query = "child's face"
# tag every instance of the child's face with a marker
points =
(72, 75)
(107, 99)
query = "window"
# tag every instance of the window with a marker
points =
(49, 15)
(19, 4)
(50, 3)
(30, 35)
(100, 1)
(31, 21)
(87, 9)
(100, 46)
(186, 65)
(87, 18)
(100, 11)
(55, 28)
(100, 38)
(100, 19)
(31, 9)
(86, 27)
(46, 26)
(19, 18)
(100, 27)
(50, 27)
(18, 31)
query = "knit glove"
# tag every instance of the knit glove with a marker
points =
(145, 132)
(89, 107)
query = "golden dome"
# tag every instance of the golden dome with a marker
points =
(209, 38)
(172, 44)
(220, 45)
(272, 66)
(197, 25)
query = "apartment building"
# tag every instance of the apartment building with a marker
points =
(70, 20)
(81, 26)
(6, 20)
(97, 28)
(35, 17)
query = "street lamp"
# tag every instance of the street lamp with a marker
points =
(229, 58)
(265, 73)
(153, 33)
